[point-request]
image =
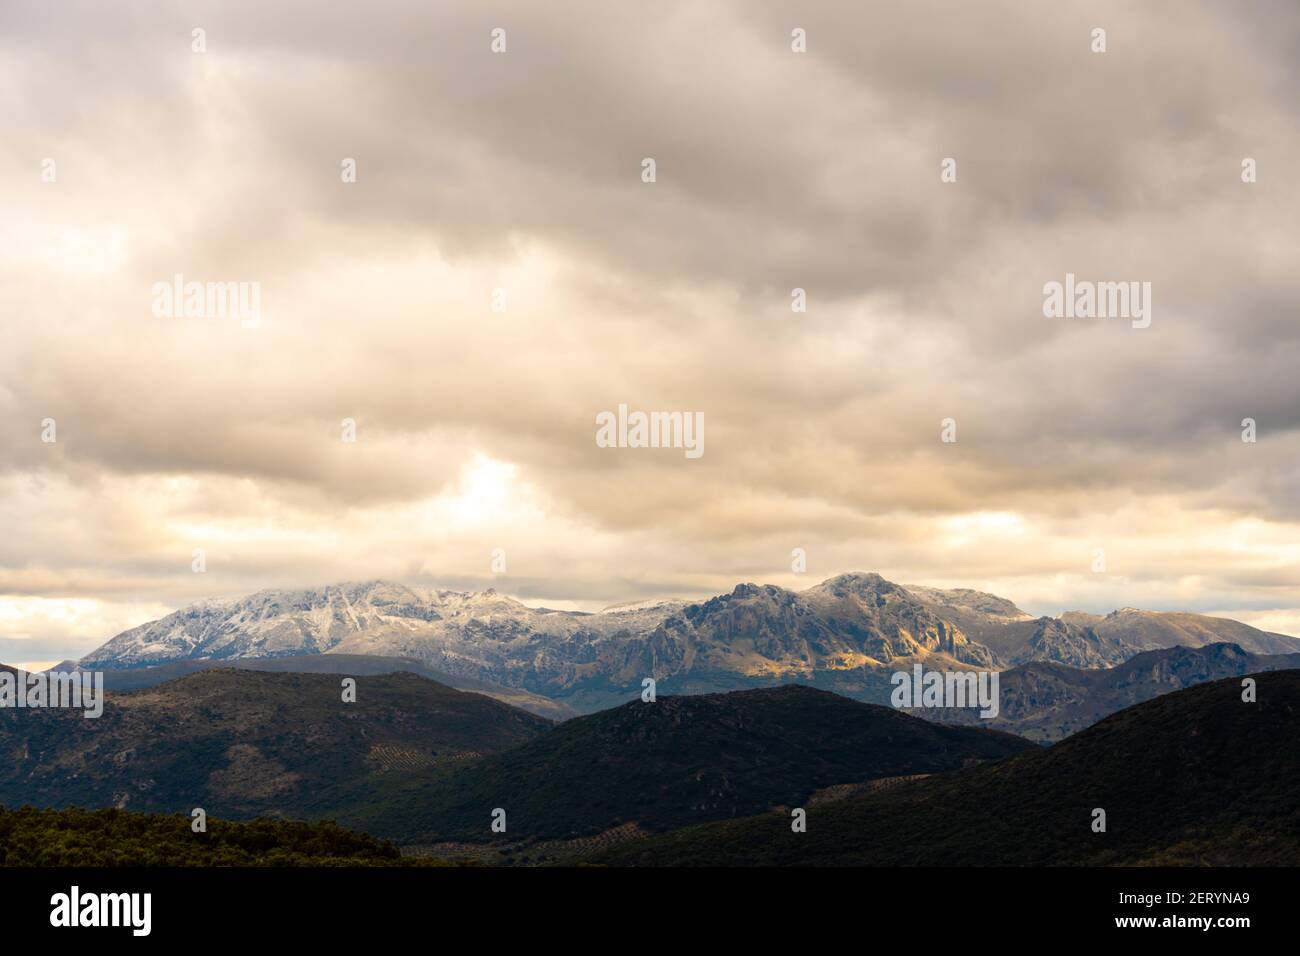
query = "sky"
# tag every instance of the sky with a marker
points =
(500, 272)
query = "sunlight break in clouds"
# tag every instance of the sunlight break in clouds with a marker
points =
(471, 290)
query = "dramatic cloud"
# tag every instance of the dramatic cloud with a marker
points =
(521, 171)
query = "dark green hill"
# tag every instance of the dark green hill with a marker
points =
(31, 837)
(245, 743)
(1196, 777)
(677, 761)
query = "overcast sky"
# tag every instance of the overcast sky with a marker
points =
(522, 171)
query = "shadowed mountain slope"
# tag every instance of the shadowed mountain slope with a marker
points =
(1195, 777)
(681, 760)
(241, 743)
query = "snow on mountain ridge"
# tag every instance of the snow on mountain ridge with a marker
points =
(845, 633)
(318, 620)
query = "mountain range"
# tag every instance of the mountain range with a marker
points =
(846, 634)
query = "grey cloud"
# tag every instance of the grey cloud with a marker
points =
(775, 171)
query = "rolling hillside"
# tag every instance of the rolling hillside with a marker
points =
(1195, 777)
(677, 761)
(245, 743)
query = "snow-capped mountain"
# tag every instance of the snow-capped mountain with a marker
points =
(359, 618)
(847, 634)
(849, 624)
